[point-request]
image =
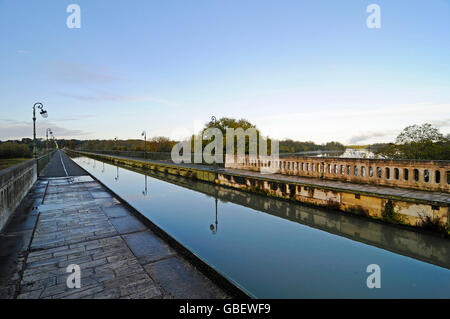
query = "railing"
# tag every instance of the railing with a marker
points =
(155, 156)
(15, 182)
(424, 175)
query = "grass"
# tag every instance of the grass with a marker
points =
(8, 162)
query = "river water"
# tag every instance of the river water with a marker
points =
(275, 249)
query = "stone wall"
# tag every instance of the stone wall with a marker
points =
(409, 211)
(15, 182)
(423, 175)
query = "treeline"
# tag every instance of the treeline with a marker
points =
(290, 146)
(156, 144)
(15, 150)
(164, 144)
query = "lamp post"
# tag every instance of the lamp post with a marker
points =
(115, 144)
(44, 114)
(49, 130)
(144, 134)
(54, 140)
(214, 123)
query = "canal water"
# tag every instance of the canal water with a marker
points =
(275, 249)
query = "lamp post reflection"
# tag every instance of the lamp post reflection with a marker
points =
(212, 227)
(117, 176)
(103, 169)
(144, 192)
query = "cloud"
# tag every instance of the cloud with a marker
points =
(22, 51)
(10, 130)
(441, 123)
(101, 96)
(74, 118)
(80, 73)
(355, 139)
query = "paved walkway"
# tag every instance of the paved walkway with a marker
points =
(74, 220)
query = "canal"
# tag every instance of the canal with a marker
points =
(276, 249)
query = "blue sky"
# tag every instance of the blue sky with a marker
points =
(307, 70)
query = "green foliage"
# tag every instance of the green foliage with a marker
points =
(14, 150)
(418, 142)
(227, 123)
(286, 146)
(290, 146)
(156, 144)
(389, 214)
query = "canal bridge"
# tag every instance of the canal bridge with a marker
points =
(54, 213)
(412, 191)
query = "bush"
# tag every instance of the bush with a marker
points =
(14, 150)
(432, 223)
(389, 214)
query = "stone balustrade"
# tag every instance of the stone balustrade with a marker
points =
(415, 174)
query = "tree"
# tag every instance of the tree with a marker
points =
(225, 123)
(14, 150)
(420, 134)
(418, 142)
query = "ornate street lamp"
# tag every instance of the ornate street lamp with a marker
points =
(44, 114)
(144, 134)
(49, 130)
(213, 123)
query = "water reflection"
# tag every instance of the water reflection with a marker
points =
(278, 249)
(145, 192)
(213, 228)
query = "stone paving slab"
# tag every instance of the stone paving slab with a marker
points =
(78, 222)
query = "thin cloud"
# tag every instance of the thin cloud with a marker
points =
(80, 73)
(22, 51)
(109, 97)
(442, 123)
(10, 130)
(74, 118)
(363, 137)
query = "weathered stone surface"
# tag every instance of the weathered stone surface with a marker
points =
(81, 223)
(182, 280)
(147, 247)
(128, 224)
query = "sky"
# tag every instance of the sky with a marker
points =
(305, 70)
